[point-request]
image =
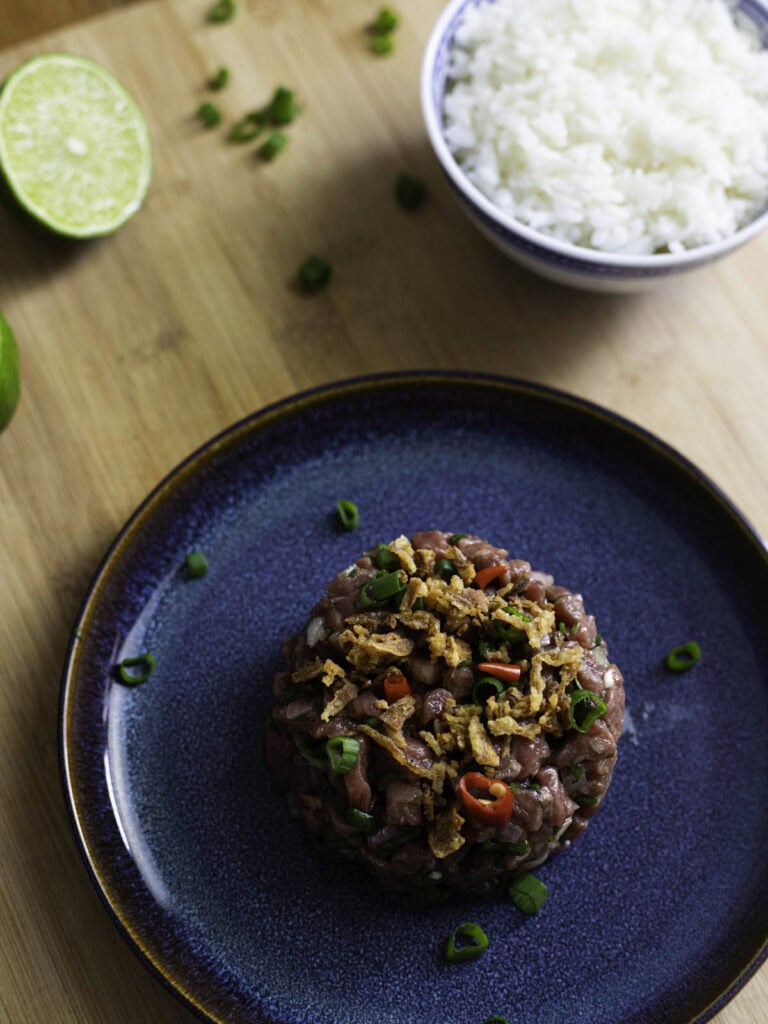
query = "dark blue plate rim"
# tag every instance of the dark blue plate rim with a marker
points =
(291, 406)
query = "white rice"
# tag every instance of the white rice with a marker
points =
(631, 126)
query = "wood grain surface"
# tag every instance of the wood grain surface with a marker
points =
(136, 348)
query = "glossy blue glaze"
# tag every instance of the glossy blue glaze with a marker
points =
(654, 913)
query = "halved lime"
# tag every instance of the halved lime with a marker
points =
(74, 146)
(9, 373)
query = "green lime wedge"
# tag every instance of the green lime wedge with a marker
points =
(9, 373)
(74, 146)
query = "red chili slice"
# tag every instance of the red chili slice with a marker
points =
(395, 687)
(497, 810)
(506, 673)
(486, 576)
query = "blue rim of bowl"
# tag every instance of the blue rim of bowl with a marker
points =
(263, 419)
(534, 244)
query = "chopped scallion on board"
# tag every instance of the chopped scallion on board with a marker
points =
(314, 274)
(222, 10)
(220, 79)
(209, 114)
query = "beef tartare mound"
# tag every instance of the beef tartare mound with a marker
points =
(447, 716)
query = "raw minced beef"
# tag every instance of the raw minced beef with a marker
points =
(447, 716)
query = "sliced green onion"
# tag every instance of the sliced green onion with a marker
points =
(361, 821)
(276, 143)
(517, 613)
(349, 517)
(510, 634)
(418, 605)
(283, 107)
(528, 893)
(221, 11)
(561, 628)
(144, 665)
(208, 114)
(386, 559)
(681, 658)
(410, 193)
(196, 564)
(485, 687)
(342, 753)
(575, 770)
(467, 942)
(456, 537)
(249, 127)
(382, 45)
(220, 79)
(382, 588)
(586, 800)
(496, 1020)
(445, 569)
(586, 707)
(484, 650)
(598, 640)
(314, 274)
(374, 723)
(575, 626)
(386, 21)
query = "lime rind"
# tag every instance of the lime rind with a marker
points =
(74, 146)
(9, 373)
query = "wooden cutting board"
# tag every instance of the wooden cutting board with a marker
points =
(137, 348)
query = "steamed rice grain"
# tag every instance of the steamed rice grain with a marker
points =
(630, 126)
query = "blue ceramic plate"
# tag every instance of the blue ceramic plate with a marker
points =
(659, 912)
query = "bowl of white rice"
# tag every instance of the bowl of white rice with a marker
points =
(605, 144)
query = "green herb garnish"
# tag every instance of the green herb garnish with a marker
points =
(410, 193)
(208, 114)
(681, 658)
(136, 670)
(196, 564)
(467, 942)
(349, 517)
(221, 11)
(528, 893)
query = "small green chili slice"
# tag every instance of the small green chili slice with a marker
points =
(314, 274)
(467, 942)
(144, 665)
(528, 893)
(283, 107)
(342, 753)
(221, 11)
(681, 658)
(382, 588)
(485, 687)
(410, 193)
(586, 707)
(456, 537)
(361, 821)
(196, 564)
(386, 559)
(349, 517)
(496, 1020)
(220, 79)
(445, 568)
(276, 143)
(208, 114)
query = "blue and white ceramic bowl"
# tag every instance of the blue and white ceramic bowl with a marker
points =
(568, 264)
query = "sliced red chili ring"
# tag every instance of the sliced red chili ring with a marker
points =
(494, 811)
